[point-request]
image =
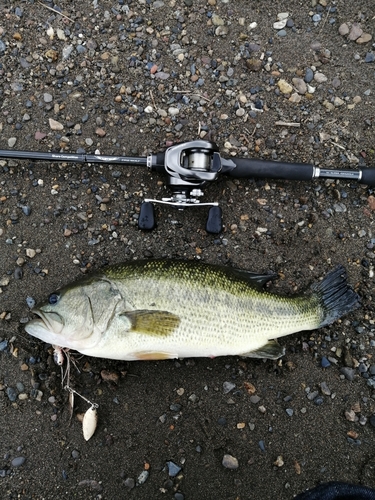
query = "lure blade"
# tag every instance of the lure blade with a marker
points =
(89, 423)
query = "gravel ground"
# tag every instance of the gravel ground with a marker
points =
(290, 81)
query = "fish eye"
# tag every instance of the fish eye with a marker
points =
(53, 298)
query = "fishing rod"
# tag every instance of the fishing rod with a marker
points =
(191, 165)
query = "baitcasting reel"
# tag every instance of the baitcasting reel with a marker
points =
(189, 167)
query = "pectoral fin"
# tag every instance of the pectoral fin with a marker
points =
(271, 350)
(158, 323)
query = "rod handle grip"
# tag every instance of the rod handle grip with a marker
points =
(368, 176)
(268, 169)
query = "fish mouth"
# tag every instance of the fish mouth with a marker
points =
(47, 327)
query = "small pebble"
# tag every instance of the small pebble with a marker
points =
(175, 407)
(344, 29)
(355, 32)
(320, 77)
(26, 210)
(284, 86)
(173, 469)
(20, 387)
(349, 373)
(11, 393)
(325, 389)
(30, 252)
(230, 462)
(18, 273)
(3, 345)
(55, 125)
(300, 85)
(279, 25)
(30, 302)
(281, 16)
(351, 416)
(228, 386)
(142, 478)
(319, 401)
(312, 395)
(262, 445)
(364, 38)
(18, 461)
(324, 362)
(129, 483)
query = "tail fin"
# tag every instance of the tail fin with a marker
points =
(336, 296)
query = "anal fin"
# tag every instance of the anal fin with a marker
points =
(271, 350)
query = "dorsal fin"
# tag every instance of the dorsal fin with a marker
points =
(255, 279)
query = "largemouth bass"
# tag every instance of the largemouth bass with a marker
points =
(161, 309)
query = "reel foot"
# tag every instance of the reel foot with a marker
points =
(146, 220)
(214, 220)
